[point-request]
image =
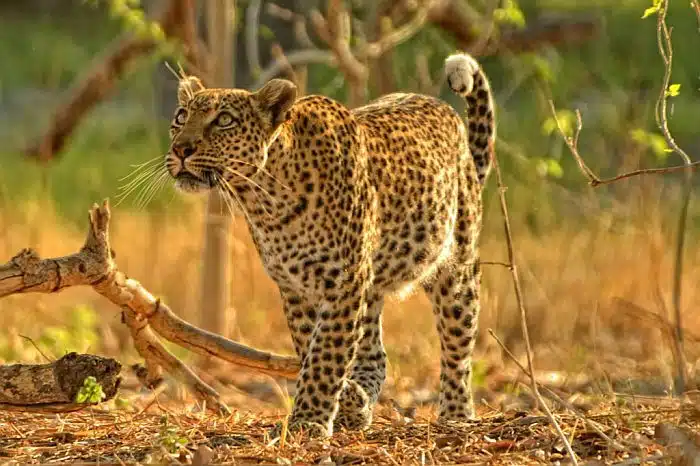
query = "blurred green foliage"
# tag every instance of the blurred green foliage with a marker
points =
(614, 80)
(76, 333)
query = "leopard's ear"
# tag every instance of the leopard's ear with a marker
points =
(275, 98)
(187, 88)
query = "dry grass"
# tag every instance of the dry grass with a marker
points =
(595, 290)
(146, 436)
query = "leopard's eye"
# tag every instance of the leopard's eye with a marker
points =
(181, 117)
(224, 119)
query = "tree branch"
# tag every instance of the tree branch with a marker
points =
(101, 79)
(521, 306)
(463, 23)
(293, 58)
(593, 179)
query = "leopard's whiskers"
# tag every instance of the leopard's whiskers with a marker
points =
(148, 193)
(261, 169)
(142, 181)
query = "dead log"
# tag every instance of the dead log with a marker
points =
(54, 386)
(146, 317)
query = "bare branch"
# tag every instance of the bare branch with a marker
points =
(465, 25)
(294, 58)
(97, 84)
(298, 21)
(334, 30)
(252, 24)
(593, 179)
(101, 80)
(397, 36)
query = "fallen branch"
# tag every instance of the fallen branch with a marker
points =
(146, 317)
(53, 386)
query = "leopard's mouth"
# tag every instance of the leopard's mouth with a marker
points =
(190, 183)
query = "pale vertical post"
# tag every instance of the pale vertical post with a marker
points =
(216, 260)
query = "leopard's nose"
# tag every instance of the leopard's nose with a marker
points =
(183, 150)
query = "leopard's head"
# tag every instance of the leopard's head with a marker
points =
(220, 137)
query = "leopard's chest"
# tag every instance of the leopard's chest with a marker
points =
(297, 262)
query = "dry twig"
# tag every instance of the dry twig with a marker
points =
(557, 399)
(523, 315)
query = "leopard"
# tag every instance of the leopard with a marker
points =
(345, 207)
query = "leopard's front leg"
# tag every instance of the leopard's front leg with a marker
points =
(331, 351)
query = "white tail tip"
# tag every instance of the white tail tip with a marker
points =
(459, 71)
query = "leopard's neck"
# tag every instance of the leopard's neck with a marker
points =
(277, 192)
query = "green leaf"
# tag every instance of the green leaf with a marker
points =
(656, 142)
(542, 67)
(91, 392)
(653, 9)
(673, 90)
(549, 167)
(650, 11)
(510, 13)
(554, 168)
(563, 120)
(266, 33)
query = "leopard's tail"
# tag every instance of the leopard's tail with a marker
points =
(466, 78)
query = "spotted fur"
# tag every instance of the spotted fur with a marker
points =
(345, 207)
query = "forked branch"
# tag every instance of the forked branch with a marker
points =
(146, 316)
(593, 179)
